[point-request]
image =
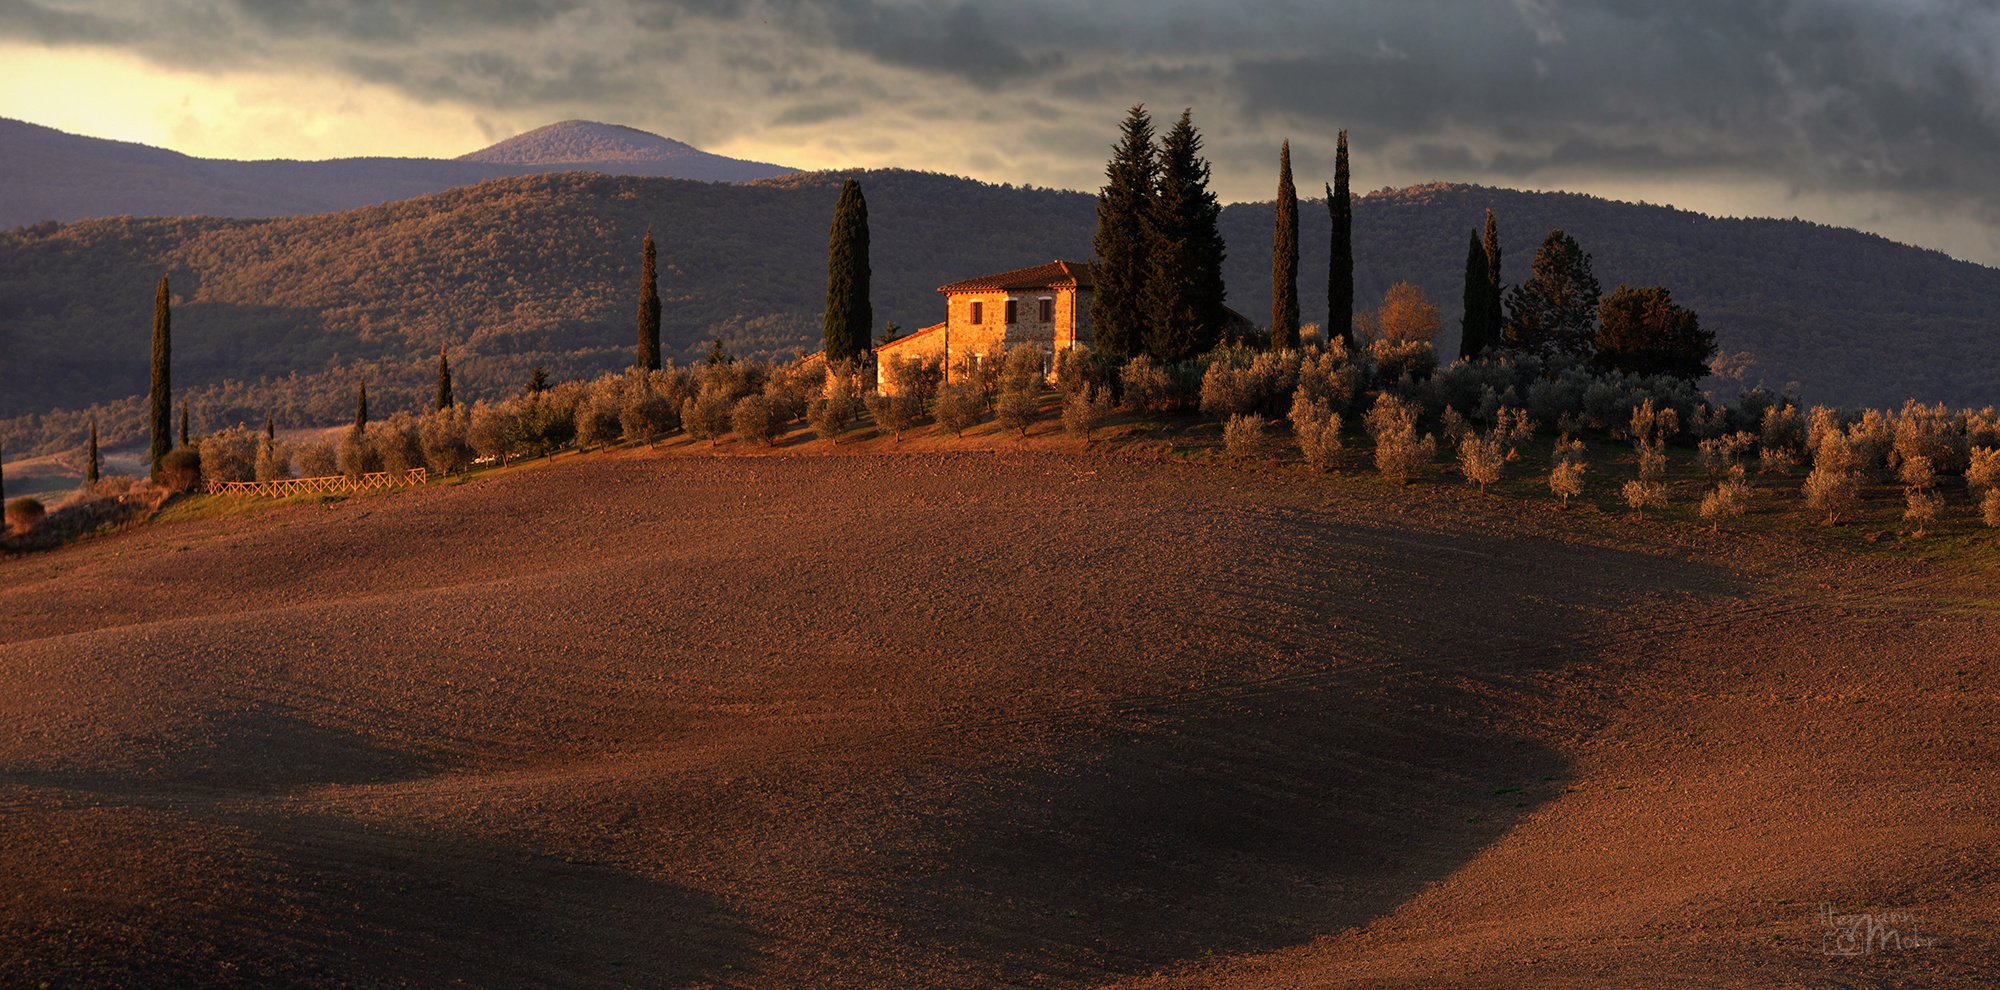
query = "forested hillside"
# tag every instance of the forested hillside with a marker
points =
(544, 269)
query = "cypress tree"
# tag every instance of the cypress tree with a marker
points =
(361, 406)
(1496, 317)
(1555, 310)
(1124, 219)
(1472, 337)
(444, 374)
(184, 423)
(1340, 260)
(1184, 290)
(849, 315)
(90, 465)
(1285, 259)
(162, 416)
(649, 314)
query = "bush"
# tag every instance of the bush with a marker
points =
(542, 427)
(442, 435)
(915, 378)
(1243, 434)
(1024, 371)
(1390, 415)
(959, 408)
(1328, 377)
(1086, 410)
(1482, 460)
(318, 459)
(647, 415)
(1401, 453)
(1566, 479)
(1145, 385)
(24, 513)
(1017, 411)
(1916, 473)
(755, 420)
(1397, 360)
(397, 444)
(180, 469)
(1727, 501)
(1989, 507)
(1653, 460)
(1983, 469)
(598, 419)
(274, 460)
(1830, 492)
(1315, 428)
(1924, 507)
(706, 416)
(1642, 495)
(229, 455)
(831, 413)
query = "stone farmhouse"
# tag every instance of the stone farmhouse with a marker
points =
(1047, 306)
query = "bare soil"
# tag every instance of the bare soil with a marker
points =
(973, 719)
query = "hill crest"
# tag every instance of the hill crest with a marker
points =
(575, 142)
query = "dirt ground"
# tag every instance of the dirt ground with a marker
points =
(976, 719)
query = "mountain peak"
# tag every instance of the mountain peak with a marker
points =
(582, 142)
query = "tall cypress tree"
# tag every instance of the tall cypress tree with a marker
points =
(1473, 332)
(1184, 289)
(90, 465)
(1124, 218)
(444, 373)
(270, 426)
(1340, 259)
(1285, 259)
(849, 315)
(361, 406)
(162, 417)
(184, 423)
(648, 358)
(1496, 317)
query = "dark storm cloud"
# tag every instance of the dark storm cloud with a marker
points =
(1878, 95)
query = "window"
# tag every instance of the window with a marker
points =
(1013, 313)
(1047, 310)
(978, 312)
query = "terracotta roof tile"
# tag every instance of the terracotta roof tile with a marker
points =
(906, 338)
(1052, 275)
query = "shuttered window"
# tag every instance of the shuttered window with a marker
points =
(1013, 315)
(978, 312)
(1047, 310)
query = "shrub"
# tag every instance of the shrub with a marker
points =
(1482, 460)
(1454, 426)
(1916, 473)
(1641, 495)
(542, 427)
(836, 407)
(1401, 453)
(1086, 410)
(1989, 507)
(647, 415)
(1653, 460)
(1931, 432)
(706, 416)
(1566, 479)
(318, 459)
(1396, 360)
(894, 413)
(24, 513)
(598, 419)
(959, 408)
(1514, 426)
(1830, 492)
(355, 455)
(980, 374)
(1077, 373)
(1924, 507)
(1727, 501)
(1145, 385)
(442, 435)
(1316, 429)
(1983, 469)
(180, 469)
(397, 444)
(1025, 369)
(754, 419)
(490, 428)
(1784, 437)
(274, 460)
(915, 378)
(1390, 415)
(1328, 377)
(229, 455)
(1017, 410)
(1243, 434)
(1220, 394)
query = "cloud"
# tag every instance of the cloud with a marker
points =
(1824, 100)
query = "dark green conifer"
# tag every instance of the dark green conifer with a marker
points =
(649, 311)
(444, 377)
(850, 317)
(1496, 315)
(1340, 260)
(90, 465)
(184, 423)
(1472, 337)
(1184, 290)
(361, 406)
(1555, 310)
(162, 418)
(1124, 221)
(1285, 259)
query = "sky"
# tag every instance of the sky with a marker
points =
(1877, 114)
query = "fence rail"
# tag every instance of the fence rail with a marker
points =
(337, 484)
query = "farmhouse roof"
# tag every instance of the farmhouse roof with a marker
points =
(906, 338)
(1065, 274)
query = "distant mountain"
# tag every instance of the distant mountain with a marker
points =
(544, 269)
(52, 175)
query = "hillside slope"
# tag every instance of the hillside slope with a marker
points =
(981, 720)
(543, 270)
(52, 175)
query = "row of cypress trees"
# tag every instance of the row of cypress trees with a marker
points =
(1285, 253)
